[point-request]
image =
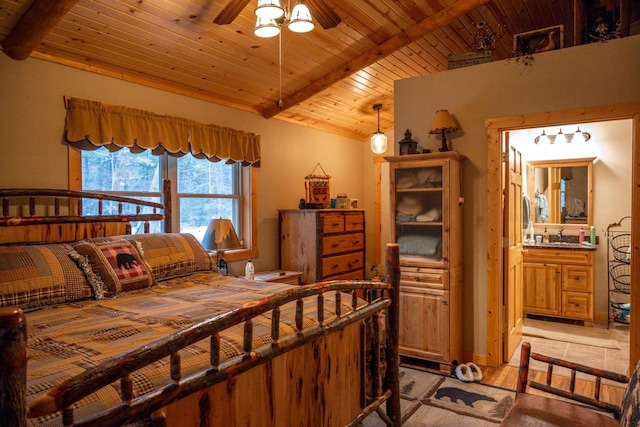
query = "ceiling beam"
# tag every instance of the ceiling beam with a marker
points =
(411, 34)
(34, 25)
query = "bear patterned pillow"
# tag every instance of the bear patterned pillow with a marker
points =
(118, 264)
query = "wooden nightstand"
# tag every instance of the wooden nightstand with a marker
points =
(280, 276)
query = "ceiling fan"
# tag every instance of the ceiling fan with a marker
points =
(322, 13)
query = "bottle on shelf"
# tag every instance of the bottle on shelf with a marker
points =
(581, 235)
(545, 236)
(249, 270)
(592, 237)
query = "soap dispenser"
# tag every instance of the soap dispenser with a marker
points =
(545, 236)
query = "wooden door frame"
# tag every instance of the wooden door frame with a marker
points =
(495, 265)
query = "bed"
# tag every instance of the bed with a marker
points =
(102, 327)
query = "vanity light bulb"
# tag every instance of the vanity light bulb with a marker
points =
(543, 138)
(560, 138)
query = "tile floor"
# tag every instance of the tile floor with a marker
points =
(616, 360)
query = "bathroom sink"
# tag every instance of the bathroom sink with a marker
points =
(563, 244)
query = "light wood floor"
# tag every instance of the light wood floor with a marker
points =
(507, 376)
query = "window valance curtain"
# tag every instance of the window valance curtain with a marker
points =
(91, 125)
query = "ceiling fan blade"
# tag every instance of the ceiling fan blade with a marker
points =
(230, 11)
(322, 13)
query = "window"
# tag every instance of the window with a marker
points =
(200, 190)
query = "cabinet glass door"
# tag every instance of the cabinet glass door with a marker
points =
(419, 217)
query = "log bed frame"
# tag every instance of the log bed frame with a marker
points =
(317, 377)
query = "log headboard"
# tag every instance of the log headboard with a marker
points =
(51, 215)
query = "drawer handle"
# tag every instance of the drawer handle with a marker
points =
(335, 245)
(335, 224)
(334, 266)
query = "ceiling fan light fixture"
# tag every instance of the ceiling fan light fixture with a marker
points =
(269, 9)
(300, 20)
(266, 28)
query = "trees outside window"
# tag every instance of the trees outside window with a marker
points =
(201, 189)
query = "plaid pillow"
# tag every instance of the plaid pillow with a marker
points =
(118, 264)
(172, 254)
(33, 276)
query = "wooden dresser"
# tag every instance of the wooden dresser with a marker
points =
(325, 244)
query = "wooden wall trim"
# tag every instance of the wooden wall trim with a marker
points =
(495, 127)
(634, 337)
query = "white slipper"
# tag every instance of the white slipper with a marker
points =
(475, 371)
(463, 373)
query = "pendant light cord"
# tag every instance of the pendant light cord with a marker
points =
(280, 103)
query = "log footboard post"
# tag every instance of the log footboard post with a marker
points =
(13, 367)
(393, 324)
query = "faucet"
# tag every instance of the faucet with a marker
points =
(560, 234)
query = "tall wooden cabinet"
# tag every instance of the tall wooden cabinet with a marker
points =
(426, 222)
(325, 244)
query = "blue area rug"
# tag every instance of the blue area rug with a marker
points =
(435, 400)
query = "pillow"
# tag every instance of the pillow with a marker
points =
(118, 264)
(172, 254)
(33, 276)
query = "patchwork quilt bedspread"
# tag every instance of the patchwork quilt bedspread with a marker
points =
(66, 339)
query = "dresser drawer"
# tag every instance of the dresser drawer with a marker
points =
(577, 305)
(341, 263)
(576, 278)
(351, 275)
(332, 222)
(342, 243)
(559, 256)
(354, 221)
(421, 277)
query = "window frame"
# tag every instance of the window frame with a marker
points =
(248, 182)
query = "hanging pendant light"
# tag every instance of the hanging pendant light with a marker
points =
(266, 27)
(300, 20)
(379, 139)
(269, 9)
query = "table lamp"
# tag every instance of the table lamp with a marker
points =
(221, 235)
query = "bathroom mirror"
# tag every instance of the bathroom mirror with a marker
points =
(561, 192)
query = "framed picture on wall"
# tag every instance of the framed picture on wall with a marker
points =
(543, 40)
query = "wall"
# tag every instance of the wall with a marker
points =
(33, 153)
(582, 76)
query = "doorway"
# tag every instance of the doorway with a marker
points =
(495, 149)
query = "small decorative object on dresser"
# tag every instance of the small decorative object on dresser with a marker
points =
(317, 187)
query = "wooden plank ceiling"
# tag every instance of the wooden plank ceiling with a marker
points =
(330, 78)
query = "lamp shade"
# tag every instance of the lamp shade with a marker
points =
(220, 235)
(379, 142)
(269, 9)
(266, 27)
(442, 123)
(300, 20)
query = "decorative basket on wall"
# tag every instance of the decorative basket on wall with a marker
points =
(317, 187)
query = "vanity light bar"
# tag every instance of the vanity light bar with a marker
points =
(577, 136)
